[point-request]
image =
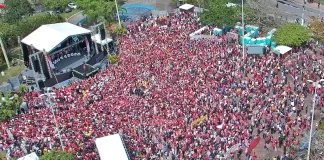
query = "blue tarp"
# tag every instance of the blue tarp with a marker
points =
(305, 144)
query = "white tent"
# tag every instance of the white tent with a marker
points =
(283, 49)
(96, 38)
(31, 156)
(47, 37)
(111, 148)
(198, 31)
(187, 7)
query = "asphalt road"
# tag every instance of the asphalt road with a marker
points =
(295, 10)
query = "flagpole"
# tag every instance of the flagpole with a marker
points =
(4, 52)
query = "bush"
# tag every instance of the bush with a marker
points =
(113, 59)
(22, 89)
(321, 125)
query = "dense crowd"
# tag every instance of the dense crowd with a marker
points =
(162, 84)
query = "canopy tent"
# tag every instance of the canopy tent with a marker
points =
(31, 156)
(111, 148)
(198, 31)
(47, 37)
(283, 49)
(187, 7)
(96, 38)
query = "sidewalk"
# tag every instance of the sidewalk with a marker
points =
(311, 5)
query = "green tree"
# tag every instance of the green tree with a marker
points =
(219, 14)
(15, 9)
(317, 28)
(8, 33)
(291, 35)
(100, 10)
(55, 155)
(53, 4)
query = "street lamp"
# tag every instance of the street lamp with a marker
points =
(313, 112)
(47, 96)
(302, 21)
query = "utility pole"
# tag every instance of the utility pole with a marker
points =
(4, 52)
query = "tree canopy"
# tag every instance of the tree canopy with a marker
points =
(219, 14)
(9, 106)
(52, 4)
(55, 155)
(15, 9)
(317, 28)
(104, 10)
(291, 35)
(254, 14)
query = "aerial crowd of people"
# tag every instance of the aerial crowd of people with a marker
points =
(174, 98)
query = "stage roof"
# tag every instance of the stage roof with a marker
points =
(47, 37)
(111, 148)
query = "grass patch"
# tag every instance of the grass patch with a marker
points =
(12, 72)
(321, 125)
(68, 15)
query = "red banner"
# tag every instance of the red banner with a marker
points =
(253, 144)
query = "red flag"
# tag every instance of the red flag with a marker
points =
(2, 6)
(87, 44)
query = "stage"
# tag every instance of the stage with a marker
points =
(70, 63)
(57, 52)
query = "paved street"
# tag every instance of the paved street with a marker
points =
(295, 10)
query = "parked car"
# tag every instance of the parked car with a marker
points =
(50, 12)
(67, 9)
(59, 10)
(73, 5)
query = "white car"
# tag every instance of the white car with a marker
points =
(73, 5)
(50, 12)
